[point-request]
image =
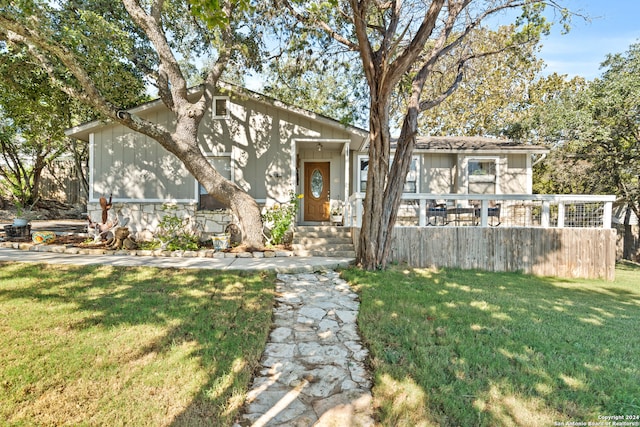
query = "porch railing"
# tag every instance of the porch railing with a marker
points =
(505, 210)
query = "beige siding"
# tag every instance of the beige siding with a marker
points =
(514, 174)
(259, 137)
(132, 166)
(438, 173)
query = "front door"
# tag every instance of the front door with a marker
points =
(316, 191)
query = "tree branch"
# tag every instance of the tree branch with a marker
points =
(322, 25)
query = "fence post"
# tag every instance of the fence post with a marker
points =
(560, 214)
(484, 213)
(607, 215)
(422, 219)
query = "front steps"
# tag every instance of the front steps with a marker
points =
(325, 241)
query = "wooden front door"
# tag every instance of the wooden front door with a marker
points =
(316, 191)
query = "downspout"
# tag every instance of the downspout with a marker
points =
(544, 156)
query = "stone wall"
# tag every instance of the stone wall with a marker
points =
(147, 216)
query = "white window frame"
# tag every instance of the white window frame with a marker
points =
(359, 172)
(494, 178)
(214, 106)
(414, 158)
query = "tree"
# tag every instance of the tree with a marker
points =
(324, 85)
(33, 116)
(497, 87)
(94, 49)
(612, 137)
(406, 42)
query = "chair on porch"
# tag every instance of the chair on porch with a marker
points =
(493, 214)
(436, 210)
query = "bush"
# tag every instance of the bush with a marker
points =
(279, 218)
(175, 233)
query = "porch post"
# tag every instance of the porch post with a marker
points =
(560, 214)
(607, 215)
(422, 218)
(484, 213)
(347, 173)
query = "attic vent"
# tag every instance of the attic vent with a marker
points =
(221, 107)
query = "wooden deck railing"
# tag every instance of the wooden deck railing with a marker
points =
(505, 210)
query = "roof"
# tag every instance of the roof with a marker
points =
(82, 131)
(472, 144)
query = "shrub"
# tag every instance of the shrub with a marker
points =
(279, 218)
(175, 233)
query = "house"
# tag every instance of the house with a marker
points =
(271, 149)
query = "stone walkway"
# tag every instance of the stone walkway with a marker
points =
(312, 371)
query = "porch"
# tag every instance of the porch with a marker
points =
(548, 235)
(504, 210)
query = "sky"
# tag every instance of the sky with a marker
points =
(612, 27)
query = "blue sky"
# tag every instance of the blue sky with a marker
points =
(614, 25)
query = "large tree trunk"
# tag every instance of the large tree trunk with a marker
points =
(379, 151)
(243, 206)
(384, 185)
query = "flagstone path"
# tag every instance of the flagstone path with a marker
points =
(313, 368)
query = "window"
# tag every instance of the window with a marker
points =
(223, 165)
(410, 184)
(363, 170)
(482, 168)
(221, 107)
(482, 175)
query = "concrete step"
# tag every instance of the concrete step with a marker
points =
(329, 240)
(326, 248)
(321, 228)
(337, 254)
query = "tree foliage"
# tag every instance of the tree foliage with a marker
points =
(612, 137)
(33, 116)
(103, 53)
(495, 90)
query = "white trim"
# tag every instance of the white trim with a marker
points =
(214, 109)
(529, 167)
(92, 164)
(347, 169)
(122, 200)
(479, 152)
(415, 157)
(465, 168)
(358, 171)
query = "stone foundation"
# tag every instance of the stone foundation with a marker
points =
(147, 216)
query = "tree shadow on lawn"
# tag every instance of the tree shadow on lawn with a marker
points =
(455, 347)
(219, 321)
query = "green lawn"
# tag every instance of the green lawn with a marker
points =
(128, 346)
(468, 348)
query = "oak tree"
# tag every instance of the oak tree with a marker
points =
(93, 49)
(401, 46)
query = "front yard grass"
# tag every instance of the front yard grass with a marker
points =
(128, 346)
(469, 348)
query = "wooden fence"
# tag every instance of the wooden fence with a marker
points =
(560, 252)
